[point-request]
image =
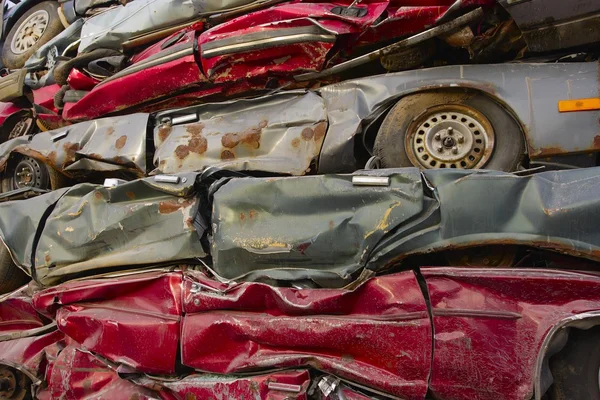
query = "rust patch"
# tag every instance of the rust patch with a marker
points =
(47, 259)
(596, 144)
(70, 149)
(198, 144)
(168, 207)
(189, 222)
(182, 151)
(110, 130)
(52, 157)
(164, 131)
(331, 224)
(130, 195)
(227, 155)
(295, 142)
(242, 216)
(252, 214)
(87, 384)
(162, 162)
(190, 396)
(307, 134)
(320, 131)
(195, 129)
(120, 143)
(548, 151)
(250, 137)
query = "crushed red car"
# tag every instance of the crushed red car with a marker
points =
(445, 333)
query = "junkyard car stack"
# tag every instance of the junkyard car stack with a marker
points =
(203, 200)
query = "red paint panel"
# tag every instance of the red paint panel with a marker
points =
(131, 90)
(31, 353)
(156, 292)
(78, 375)
(489, 326)
(45, 96)
(6, 110)
(266, 386)
(377, 335)
(188, 36)
(77, 80)
(17, 313)
(123, 319)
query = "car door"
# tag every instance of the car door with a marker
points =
(550, 25)
(377, 335)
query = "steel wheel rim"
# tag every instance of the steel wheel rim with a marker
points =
(30, 31)
(450, 136)
(28, 173)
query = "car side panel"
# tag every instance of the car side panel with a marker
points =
(530, 92)
(490, 325)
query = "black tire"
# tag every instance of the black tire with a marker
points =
(11, 276)
(14, 60)
(400, 124)
(576, 367)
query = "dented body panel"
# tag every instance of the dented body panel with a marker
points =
(340, 229)
(90, 228)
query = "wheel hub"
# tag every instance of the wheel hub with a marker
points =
(450, 136)
(30, 31)
(8, 384)
(28, 172)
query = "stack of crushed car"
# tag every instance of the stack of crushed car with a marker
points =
(227, 200)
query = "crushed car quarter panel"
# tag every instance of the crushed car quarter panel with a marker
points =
(280, 134)
(491, 324)
(122, 319)
(110, 143)
(91, 227)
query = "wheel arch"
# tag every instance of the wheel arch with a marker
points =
(553, 342)
(377, 118)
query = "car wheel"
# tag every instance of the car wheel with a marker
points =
(37, 26)
(576, 368)
(449, 129)
(14, 385)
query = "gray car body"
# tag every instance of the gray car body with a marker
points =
(298, 132)
(324, 228)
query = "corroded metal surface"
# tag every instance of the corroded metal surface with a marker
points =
(280, 134)
(108, 143)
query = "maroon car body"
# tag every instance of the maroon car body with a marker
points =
(457, 333)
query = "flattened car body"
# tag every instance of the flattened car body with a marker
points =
(340, 228)
(276, 342)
